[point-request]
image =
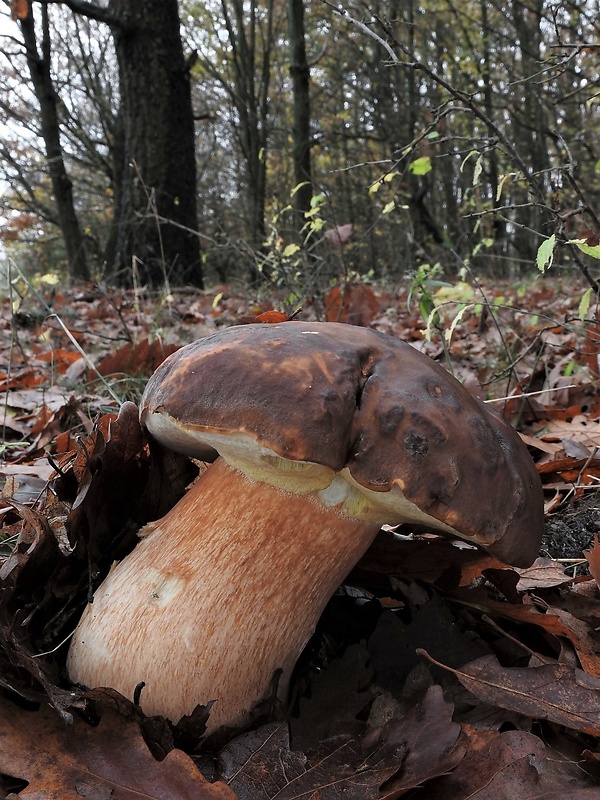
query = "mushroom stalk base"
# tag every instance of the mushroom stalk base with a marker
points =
(219, 594)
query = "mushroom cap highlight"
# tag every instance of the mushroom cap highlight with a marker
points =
(368, 421)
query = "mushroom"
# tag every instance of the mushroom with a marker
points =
(319, 433)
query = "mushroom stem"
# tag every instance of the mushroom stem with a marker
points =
(219, 594)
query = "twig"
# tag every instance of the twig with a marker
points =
(530, 394)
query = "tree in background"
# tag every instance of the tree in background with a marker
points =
(435, 143)
(39, 63)
(236, 42)
(300, 72)
(152, 145)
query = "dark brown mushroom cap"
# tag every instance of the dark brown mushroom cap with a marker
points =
(342, 396)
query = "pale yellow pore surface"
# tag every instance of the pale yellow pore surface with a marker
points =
(226, 589)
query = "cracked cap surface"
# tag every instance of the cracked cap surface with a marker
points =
(354, 400)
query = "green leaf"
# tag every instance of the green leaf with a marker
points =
(298, 187)
(389, 207)
(421, 166)
(545, 254)
(290, 250)
(467, 157)
(584, 304)
(390, 176)
(432, 319)
(478, 170)
(448, 333)
(433, 135)
(582, 244)
(501, 183)
(375, 186)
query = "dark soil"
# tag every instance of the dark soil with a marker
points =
(570, 530)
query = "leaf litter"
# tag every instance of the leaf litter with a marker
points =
(436, 672)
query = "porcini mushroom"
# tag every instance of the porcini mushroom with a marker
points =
(318, 434)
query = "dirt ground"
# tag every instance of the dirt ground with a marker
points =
(572, 527)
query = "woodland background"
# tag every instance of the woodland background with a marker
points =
(297, 143)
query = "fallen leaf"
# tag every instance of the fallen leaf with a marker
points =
(552, 620)
(19, 9)
(593, 558)
(139, 360)
(59, 359)
(431, 559)
(354, 304)
(543, 573)
(271, 317)
(431, 742)
(564, 695)
(513, 765)
(109, 761)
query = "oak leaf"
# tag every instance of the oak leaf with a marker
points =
(110, 760)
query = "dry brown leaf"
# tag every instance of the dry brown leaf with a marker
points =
(593, 558)
(354, 304)
(555, 692)
(271, 317)
(542, 574)
(554, 621)
(513, 765)
(546, 447)
(110, 760)
(580, 429)
(19, 9)
(141, 359)
(431, 740)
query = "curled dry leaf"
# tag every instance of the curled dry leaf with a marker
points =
(503, 766)
(561, 694)
(430, 739)
(110, 760)
(19, 9)
(554, 621)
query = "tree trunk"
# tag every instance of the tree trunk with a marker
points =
(62, 188)
(528, 120)
(251, 36)
(300, 73)
(155, 224)
(489, 107)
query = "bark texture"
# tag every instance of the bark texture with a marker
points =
(300, 72)
(155, 222)
(39, 64)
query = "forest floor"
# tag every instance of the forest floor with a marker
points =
(462, 657)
